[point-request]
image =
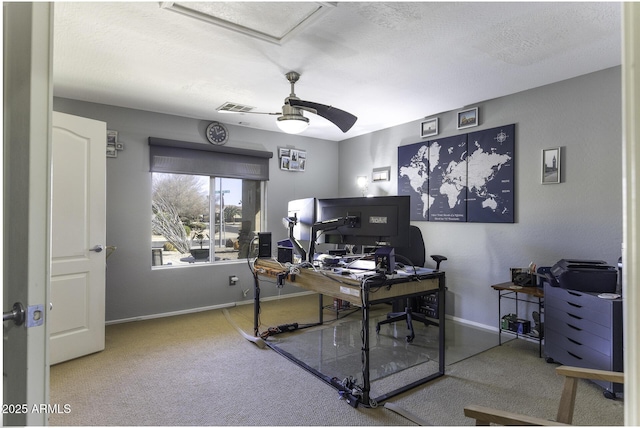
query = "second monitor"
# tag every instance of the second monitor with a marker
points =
(382, 220)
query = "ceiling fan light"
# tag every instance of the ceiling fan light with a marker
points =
(292, 123)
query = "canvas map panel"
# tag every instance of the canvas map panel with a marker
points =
(468, 177)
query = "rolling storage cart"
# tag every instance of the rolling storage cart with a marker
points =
(584, 330)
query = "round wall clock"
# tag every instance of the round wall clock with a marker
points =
(217, 133)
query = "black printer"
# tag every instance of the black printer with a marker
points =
(584, 275)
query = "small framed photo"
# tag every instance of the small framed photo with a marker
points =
(282, 151)
(381, 174)
(429, 127)
(285, 163)
(111, 151)
(468, 118)
(112, 137)
(551, 166)
(302, 160)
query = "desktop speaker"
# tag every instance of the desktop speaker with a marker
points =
(264, 245)
(385, 260)
(285, 255)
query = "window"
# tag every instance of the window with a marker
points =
(207, 202)
(188, 226)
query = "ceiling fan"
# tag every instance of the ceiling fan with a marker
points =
(291, 119)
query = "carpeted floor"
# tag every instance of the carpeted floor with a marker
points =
(198, 370)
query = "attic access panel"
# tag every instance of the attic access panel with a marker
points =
(274, 22)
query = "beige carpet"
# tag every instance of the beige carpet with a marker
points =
(197, 370)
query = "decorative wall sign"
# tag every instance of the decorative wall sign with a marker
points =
(429, 127)
(292, 159)
(462, 178)
(551, 166)
(468, 118)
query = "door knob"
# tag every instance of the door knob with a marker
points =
(16, 315)
(97, 248)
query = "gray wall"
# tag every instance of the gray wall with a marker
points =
(133, 288)
(579, 218)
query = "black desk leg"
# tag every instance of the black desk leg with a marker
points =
(499, 318)
(441, 309)
(256, 305)
(366, 388)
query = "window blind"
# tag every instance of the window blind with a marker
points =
(183, 157)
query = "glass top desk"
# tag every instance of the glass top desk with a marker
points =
(361, 292)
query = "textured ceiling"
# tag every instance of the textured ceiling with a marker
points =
(386, 62)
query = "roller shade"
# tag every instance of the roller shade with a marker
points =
(183, 157)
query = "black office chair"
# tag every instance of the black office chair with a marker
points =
(415, 254)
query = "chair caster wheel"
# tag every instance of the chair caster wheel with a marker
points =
(608, 394)
(409, 339)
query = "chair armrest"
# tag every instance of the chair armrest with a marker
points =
(487, 415)
(581, 373)
(571, 376)
(438, 258)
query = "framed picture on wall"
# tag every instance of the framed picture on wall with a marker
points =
(551, 166)
(429, 127)
(468, 118)
(282, 152)
(292, 159)
(285, 162)
(111, 151)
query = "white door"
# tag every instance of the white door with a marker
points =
(27, 94)
(78, 237)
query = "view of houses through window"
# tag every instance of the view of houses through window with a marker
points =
(199, 219)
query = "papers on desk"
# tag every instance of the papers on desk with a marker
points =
(404, 273)
(362, 264)
(410, 271)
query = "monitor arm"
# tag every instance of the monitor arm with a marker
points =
(290, 222)
(331, 224)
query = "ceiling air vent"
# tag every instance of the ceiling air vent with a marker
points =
(234, 108)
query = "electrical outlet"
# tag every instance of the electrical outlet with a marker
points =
(233, 280)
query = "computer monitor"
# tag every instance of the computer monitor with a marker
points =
(304, 210)
(374, 221)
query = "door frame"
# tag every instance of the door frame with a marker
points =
(631, 207)
(28, 100)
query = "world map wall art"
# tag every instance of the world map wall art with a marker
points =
(463, 178)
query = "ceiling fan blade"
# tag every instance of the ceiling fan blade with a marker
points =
(340, 118)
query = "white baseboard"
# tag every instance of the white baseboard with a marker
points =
(204, 308)
(472, 323)
(265, 299)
